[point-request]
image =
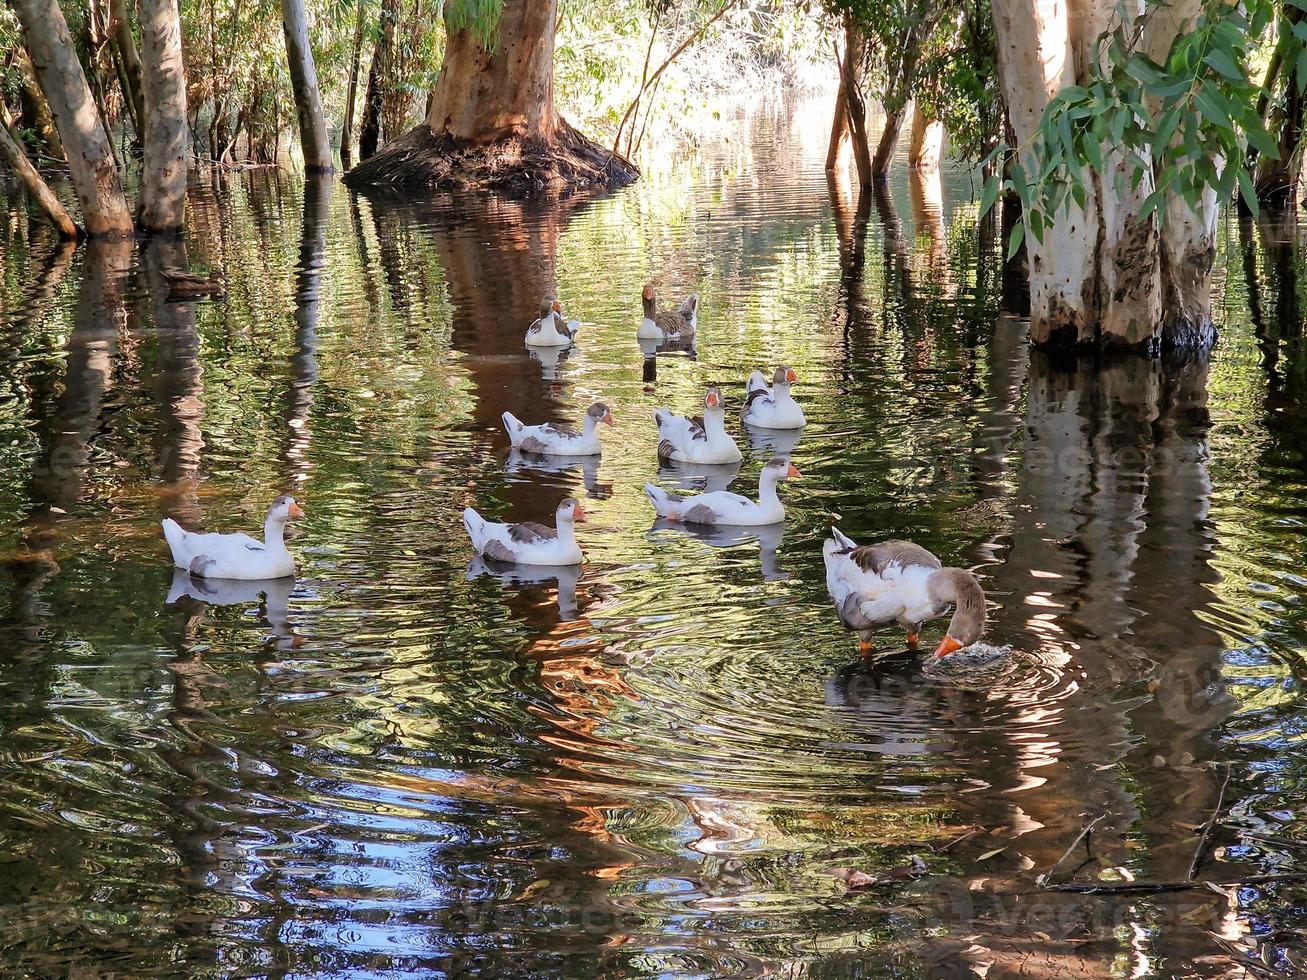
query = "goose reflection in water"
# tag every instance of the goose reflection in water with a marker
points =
(550, 359)
(272, 595)
(772, 442)
(652, 348)
(566, 577)
(768, 537)
(706, 477)
(524, 464)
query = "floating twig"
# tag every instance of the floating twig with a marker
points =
(1150, 887)
(1206, 835)
(1084, 833)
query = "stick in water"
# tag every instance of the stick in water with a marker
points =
(1205, 836)
(1085, 832)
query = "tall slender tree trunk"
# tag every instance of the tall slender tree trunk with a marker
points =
(888, 143)
(314, 141)
(129, 59)
(855, 110)
(927, 142)
(375, 96)
(837, 151)
(492, 120)
(11, 151)
(90, 155)
(351, 92)
(36, 111)
(163, 181)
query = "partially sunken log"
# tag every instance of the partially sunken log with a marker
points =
(492, 122)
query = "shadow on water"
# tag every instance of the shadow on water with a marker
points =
(407, 762)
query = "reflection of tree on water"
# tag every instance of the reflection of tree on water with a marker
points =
(308, 297)
(1105, 580)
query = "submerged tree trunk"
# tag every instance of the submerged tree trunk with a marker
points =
(90, 156)
(314, 142)
(352, 90)
(927, 142)
(129, 61)
(837, 152)
(1103, 274)
(12, 153)
(163, 179)
(492, 120)
(888, 142)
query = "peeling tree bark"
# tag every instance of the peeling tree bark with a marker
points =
(90, 156)
(314, 142)
(1103, 276)
(163, 180)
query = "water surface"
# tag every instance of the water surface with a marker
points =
(400, 765)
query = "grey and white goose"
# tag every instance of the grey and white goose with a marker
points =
(901, 582)
(528, 543)
(549, 329)
(679, 325)
(774, 407)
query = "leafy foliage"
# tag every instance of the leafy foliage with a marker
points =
(1182, 120)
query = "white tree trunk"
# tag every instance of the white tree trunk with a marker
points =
(304, 81)
(1103, 276)
(927, 144)
(90, 157)
(163, 178)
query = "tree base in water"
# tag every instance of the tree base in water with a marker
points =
(514, 165)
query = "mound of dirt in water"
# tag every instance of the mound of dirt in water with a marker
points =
(973, 663)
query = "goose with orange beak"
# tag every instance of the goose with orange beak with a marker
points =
(679, 324)
(528, 543)
(697, 439)
(552, 439)
(901, 582)
(237, 556)
(549, 329)
(774, 407)
(722, 508)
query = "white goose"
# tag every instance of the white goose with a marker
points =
(552, 439)
(528, 543)
(679, 325)
(774, 407)
(236, 556)
(697, 439)
(721, 507)
(549, 329)
(898, 581)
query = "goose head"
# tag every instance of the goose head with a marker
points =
(648, 298)
(779, 468)
(960, 588)
(596, 413)
(284, 509)
(569, 511)
(713, 403)
(784, 376)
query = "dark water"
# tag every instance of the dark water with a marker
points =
(393, 770)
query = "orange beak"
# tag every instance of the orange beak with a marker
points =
(791, 376)
(578, 513)
(608, 419)
(793, 473)
(712, 401)
(558, 307)
(946, 646)
(648, 292)
(295, 511)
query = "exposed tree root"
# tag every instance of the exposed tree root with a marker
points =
(517, 166)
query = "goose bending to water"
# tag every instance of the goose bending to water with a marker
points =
(236, 556)
(552, 439)
(898, 581)
(666, 326)
(721, 507)
(549, 329)
(528, 543)
(697, 439)
(774, 407)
